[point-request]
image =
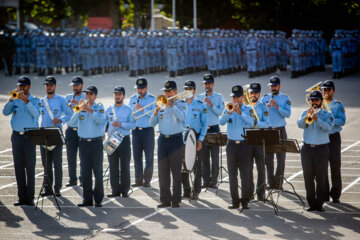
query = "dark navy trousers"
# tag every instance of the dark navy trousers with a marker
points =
(119, 163)
(210, 174)
(143, 141)
(91, 161)
(24, 154)
(54, 160)
(335, 165)
(256, 153)
(72, 145)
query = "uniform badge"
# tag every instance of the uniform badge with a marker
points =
(161, 116)
(252, 115)
(331, 119)
(205, 110)
(42, 112)
(14, 112)
(194, 116)
(342, 110)
(102, 110)
(55, 111)
(288, 102)
(110, 119)
(82, 117)
(230, 120)
(39, 104)
(266, 113)
(140, 82)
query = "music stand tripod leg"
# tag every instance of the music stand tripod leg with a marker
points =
(294, 193)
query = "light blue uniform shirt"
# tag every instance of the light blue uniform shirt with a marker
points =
(59, 108)
(196, 118)
(144, 121)
(216, 110)
(69, 98)
(236, 122)
(318, 132)
(263, 113)
(23, 115)
(338, 110)
(124, 116)
(277, 116)
(90, 125)
(171, 120)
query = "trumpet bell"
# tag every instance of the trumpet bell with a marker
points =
(309, 120)
(162, 101)
(76, 108)
(15, 94)
(230, 107)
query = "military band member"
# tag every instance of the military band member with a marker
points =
(91, 122)
(256, 151)
(237, 151)
(71, 134)
(279, 109)
(143, 136)
(196, 118)
(338, 110)
(215, 106)
(315, 151)
(171, 122)
(25, 110)
(54, 112)
(120, 120)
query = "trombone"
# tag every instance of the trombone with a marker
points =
(15, 94)
(247, 100)
(162, 102)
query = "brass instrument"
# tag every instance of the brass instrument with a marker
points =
(247, 100)
(78, 108)
(310, 117)
(162, 102)
(316, 87)
(15, 94)
(230, 107)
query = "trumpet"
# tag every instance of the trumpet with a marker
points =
(230, 107)
(78, 108)
(162, 102)
(309, 119)
(15, 94)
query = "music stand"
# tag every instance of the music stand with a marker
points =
(286, 145)
(263, 137)
(217, 139)
(46, 137)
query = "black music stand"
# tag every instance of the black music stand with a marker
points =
(286, 145)
(222, 142)
(46, 137)
(263, 137)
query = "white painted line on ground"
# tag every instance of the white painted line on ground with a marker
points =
(6, 150)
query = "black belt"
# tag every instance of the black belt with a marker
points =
(335, 133)
(237, 142)
(211, 48)
(315, 145)
(91, 139)
(141, 129)
(251, 49)
(19, 133)
(85, 47)
(294, 49)
(171, 136)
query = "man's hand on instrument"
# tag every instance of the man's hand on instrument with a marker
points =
(237, 109)
(171, 103)
(273, 102)
(138, 106)
(75, 102)
(208, 101)
(23, 97)
(56, 121)
(116, 124)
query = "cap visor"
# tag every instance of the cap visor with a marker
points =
(273, 84)
(21, 84)
(74, 84)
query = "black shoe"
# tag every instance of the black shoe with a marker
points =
(112, 195)
(234, 206)
(19, 203)
(213, 185)
(320, 209)
(187, 195)
(175, 205)
(70, 184)
(98, 205)
(57, 194)
(245, 205)
(336, 200)
(138, 184)
(205, 186)
(46, 193)
(84, 204)
(146, 185)
(125, 195)
(30, 203)
(164, 205)
(195, 196)
(311, 209)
